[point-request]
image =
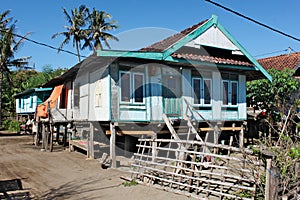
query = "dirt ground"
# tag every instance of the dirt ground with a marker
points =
(66, 175)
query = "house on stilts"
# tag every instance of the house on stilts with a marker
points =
(193, 79)
(26, 103)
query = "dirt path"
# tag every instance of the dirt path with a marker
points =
(64, 175)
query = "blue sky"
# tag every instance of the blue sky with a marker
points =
(144, 22)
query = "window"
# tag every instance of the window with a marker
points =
(197, 91)
(125, 87)
(138, 88)
(98, 94)
(31, 102)
(76, 95)
(202, 91)
(230, 90)
(132, 87)
(22, 103)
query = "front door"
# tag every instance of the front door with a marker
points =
(171, 91)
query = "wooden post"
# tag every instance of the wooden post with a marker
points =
(274, 182)
(65, 136)
(268, 179)
(57, 132)
(297, 171)
(154, 146)
(216, 135)
(51, 130)
(113, 145)
(43, 136)
(241, 137)
(90, 148)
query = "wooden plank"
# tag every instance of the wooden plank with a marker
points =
(231, 185)
(125, 132)
(222, 129)
(208, 144)
(204, 163)
(196, 170)
(170, 127)
(78, 143)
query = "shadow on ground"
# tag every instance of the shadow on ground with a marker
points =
(13, 189)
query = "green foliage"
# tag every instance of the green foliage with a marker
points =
(294, 152)
(129, 183)
(92, 28)
(276, 96)
(11, 125)
(22, 80)
(5, 124)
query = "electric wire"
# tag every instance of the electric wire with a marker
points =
(253, 20)
(45, 45)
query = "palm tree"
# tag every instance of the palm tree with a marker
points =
(4, 21)
(98, 30)
(77, 20)
(8, 46)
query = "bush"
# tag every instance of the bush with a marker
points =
(5, 124)
(11, 125)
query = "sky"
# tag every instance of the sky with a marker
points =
(142, 23)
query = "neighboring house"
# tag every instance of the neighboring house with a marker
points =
(27, 101)
(129, 92)
(291, 61)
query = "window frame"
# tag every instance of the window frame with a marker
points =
(31, 102)
(76, 95)
(230, 92)
(202, 91)
(98, 93)
(132, 83)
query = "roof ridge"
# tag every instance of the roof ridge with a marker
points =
(169, 41)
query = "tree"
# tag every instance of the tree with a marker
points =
(8, 46)
(98, 30)
(77, 20)
(23, 80)
(277, 96)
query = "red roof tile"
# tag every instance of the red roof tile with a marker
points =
(211, 59)
(166, 43)
(291, 61)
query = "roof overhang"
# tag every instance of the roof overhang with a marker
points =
(166, 55)
(33, 90)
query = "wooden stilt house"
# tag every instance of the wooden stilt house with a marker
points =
(196, 76)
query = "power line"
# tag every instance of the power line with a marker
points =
(265, 54)
(253, 20)
(43, 44)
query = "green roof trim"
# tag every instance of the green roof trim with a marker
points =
(131, 54)
(246, 53)
(166, 54)
(32, 90)
(193, 35)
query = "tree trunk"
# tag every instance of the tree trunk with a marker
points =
(78, 53)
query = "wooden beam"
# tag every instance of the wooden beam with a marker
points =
(222, 129)
(170, 127)
(123, 132)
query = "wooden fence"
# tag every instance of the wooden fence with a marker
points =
(186, 166)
